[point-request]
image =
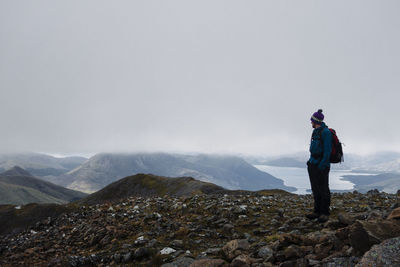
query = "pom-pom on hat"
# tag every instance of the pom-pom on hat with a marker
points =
(317, 117)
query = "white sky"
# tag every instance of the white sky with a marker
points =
(197, 76)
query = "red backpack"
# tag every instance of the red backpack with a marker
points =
(337, 150)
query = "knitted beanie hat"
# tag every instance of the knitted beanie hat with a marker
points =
(317, 117)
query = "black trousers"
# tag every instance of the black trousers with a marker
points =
(320, 188)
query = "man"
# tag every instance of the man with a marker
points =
(319, 167)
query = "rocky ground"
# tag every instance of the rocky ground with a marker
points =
(243, 229)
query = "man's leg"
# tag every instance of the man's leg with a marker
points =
(325, 192)
(314, 177)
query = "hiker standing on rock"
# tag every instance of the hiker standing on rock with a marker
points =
(318, 167)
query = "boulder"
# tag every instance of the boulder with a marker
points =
(293, 252)
(385, 254)
(212, 251)
(241, 261)
(342, 233)
(176, 244)
(363, 235)
(395, 214)
(266, 253)
(141, 253)
(228, 228)
(346, 218)
(235, 247)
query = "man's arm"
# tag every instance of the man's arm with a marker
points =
(326, 136)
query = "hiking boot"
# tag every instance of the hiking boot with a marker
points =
(323, 218)
(312, 216)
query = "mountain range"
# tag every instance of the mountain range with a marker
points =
(229, 172)
(388, 182)
(40, 165)
(18, 186)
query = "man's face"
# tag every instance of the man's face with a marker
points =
(313, 124)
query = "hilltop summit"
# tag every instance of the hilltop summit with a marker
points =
(145, 185)
(16, 171)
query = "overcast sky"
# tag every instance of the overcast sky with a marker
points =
(197, 76)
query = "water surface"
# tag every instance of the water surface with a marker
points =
(298, 177)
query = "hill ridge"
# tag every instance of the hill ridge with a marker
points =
(20, 187)
(16, 171)
(146, 185)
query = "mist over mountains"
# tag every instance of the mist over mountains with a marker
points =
(229, 172)
(39, 164)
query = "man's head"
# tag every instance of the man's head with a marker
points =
(317, 118)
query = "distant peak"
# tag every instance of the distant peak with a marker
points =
(16, 171)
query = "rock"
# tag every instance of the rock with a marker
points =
(261, 232)
(74, 261)
(365, 234)
(289, 239)
(342, 233)
(385, 254)
(373, 192)
(228, 228)
(167, 251)
(221, 221)
(178, 253)
(346, 218)
(266, 253)
(212, 251)
(141, 253)
(235, 247)
(177, 244)
(281, 212)
(323, 250)
(140, 241)
(208, 263)
(312, 262)
(180, 262)
(395, 205)
(294, 220)
(374, 215)
(241, 261)
(127, 257)
(117, 257)
(395, 214)
(152, 243)
(341, 261)
(333, 224)
(293, 252)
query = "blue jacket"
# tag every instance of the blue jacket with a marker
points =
(320, 150)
